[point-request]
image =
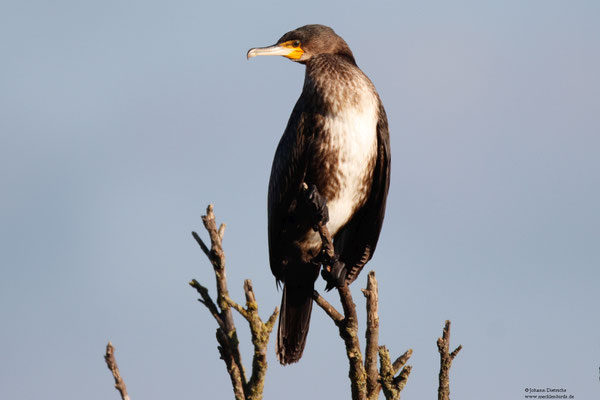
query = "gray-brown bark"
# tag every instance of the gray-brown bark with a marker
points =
(366, 380)
(111, 363)
(445, 362)
(243, 388)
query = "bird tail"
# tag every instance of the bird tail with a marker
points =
(294, 321)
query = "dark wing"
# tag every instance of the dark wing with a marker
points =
(355, 243)
(287, 175)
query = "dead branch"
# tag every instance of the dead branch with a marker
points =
(328, 308)
(392, 385)
(348, 328)
(445, 362)
(349, 332)
(243, 389)
(372, 336)
(111, 363)
(366, 381)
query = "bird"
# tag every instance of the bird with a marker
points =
(337, 144)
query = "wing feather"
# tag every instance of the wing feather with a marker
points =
(287, 174)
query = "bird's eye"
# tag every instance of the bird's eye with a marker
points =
(296, 43)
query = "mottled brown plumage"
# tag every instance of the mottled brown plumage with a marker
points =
(337, 140)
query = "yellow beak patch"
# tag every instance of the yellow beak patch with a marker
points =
(295, 52)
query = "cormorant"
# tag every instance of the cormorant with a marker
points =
(336, 142)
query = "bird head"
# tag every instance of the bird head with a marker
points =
(302, 44)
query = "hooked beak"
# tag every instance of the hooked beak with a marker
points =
(283, 49)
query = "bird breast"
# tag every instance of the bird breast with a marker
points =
(348, 151)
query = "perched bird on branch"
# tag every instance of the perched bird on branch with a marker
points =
(336, 144)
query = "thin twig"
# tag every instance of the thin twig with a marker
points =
(207, 301)
(401, 361)
(201, 244)
(222, 231)
(402, 378)
(111, 363)
(328, 308)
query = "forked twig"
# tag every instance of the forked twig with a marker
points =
(243, 389)
(445, 362)
(366, 380)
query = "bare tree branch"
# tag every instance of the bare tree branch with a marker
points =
(207, 301)
(348, 325)
(348, 328)
(372, 337)
(243, 389)
(402, 378)
(201, 244)
(227, 337)
(111, 363)
(328, 308)
(445, 362)
(401, 361)
(349, 333)
(225, 350)
(365, 380)
(260, 332)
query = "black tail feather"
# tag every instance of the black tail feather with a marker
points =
(294, 321)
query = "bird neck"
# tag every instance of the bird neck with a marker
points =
(334, 83)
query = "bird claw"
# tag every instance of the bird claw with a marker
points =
(334, 271)
(317, 206)
(334, 275)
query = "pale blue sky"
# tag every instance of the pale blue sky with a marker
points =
(121, 120)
